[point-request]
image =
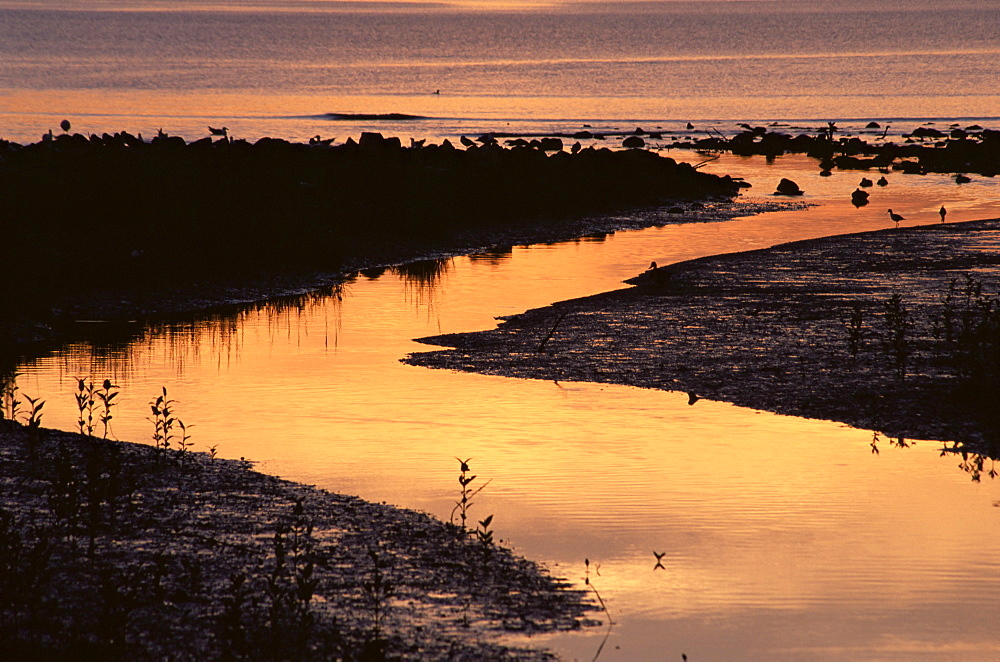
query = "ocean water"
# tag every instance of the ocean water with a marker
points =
(279, 68)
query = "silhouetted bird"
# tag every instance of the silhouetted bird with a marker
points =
(65, 125)
(690, 126)
(659, 558)
(859, 198)
(576, 147)
(467, 142)
(896, 218)
(436, 92)
(652, 265)
(224, 131)
(943, 212)
(865, 182)
(317, 140)
(882, 181)
(416, 144)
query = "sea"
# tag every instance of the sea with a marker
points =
(297, 69)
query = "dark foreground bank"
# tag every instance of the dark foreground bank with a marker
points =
(119, 551)
(118, 227)
(896, 331)
(84, 212)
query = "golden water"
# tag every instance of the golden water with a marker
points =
(782, 538)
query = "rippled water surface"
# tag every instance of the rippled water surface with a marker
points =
(263, 72)
(782, 538)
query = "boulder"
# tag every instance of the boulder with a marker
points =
(788, 187)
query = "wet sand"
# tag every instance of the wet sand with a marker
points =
(769, 329)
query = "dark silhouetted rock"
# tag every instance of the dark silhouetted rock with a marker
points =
(788, 187)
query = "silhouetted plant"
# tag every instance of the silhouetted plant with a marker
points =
(378, 589)
(230, 628)
(586, 580)
(164, 422)
(118, 596)
(184, 442)
(34, 425)
(943, 324)
(25, 556)
(290, 587)
(86, 400)
(855, 330)
(107, 394)
(484, 534)
(466, 493)
(65, 490)
(9, 404)
(899, 325)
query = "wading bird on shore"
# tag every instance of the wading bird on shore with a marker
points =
(896, 218)
(224, 131)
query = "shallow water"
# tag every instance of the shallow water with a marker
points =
(782, 538)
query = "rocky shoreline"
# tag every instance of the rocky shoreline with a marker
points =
(805, 329)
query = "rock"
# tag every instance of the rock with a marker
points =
(788, 187)
(633, 142)
(551, 145)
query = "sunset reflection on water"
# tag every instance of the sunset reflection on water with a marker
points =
(782, 538)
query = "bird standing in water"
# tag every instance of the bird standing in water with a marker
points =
(943, 212)
(896, 218)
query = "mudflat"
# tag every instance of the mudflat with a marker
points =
(112, 550)
(894, 331)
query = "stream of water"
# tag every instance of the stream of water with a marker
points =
(782, 538)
